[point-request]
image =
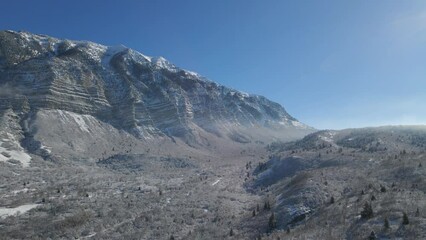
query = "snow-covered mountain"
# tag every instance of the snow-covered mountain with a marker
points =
(86, 84)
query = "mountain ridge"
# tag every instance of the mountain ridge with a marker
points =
(147, 96)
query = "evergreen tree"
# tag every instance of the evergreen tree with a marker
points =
(272, 222)
(417, 213)
(405, 220)
(386, 224)
(372, 236)
(231, 233)
(254, 213)
(267, 205)
(367, 211)
(332, 200)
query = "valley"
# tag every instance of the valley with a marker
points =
(103, 142)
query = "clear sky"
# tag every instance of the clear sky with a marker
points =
(331, 64)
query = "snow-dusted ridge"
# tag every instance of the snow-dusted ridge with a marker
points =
(147, 96)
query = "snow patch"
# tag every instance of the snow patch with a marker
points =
(96, 51)
(161, 62)
(24, 190)
(5, 212)
(216, 182)
(299, 125)
(12, 150)
(79, 119)
(47, 149)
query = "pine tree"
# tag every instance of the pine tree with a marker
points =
(417, 213)
(405, 220)
(231, 233)
(386, 223)
(372, 236)
(254, 213)
(367, 211)
(267, 205)
(332, 200)
(272, 222)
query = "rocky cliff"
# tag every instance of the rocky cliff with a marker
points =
(145, 96)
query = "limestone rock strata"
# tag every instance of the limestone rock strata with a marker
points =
(146, 96)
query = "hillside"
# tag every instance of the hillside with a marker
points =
(318, 186)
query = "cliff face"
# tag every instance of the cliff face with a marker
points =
(145, 96)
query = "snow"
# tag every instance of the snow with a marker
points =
(5, 212)
(44, 41)
(161, 62)
(244, 94)
(299, 124)
(109, 53)
(216, 182)
(96, 51)
(12, 150)
(89, 236)
(24, 190)
(47, 149)
(79, 119)
(194, 74)
(139, 57)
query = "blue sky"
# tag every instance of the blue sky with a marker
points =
(331, 64)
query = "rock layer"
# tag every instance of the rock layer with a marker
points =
(146, 96)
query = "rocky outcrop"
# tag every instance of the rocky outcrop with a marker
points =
(143, 95)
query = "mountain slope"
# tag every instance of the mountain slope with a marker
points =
(145, 96)
(319, 185)
(106, 143)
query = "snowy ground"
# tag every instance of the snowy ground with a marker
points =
(5, 212)
(11, 150)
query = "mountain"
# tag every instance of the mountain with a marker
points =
(101, 142)
(62, 89)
